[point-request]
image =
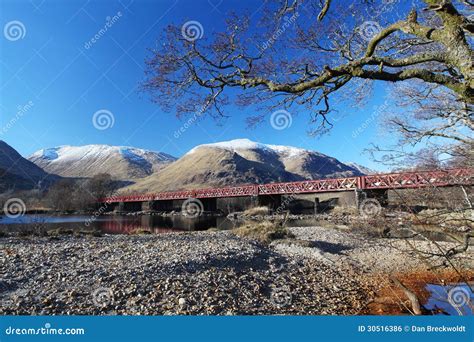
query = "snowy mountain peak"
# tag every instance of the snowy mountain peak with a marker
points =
(123, 162)
(68, 152)
(246, 144)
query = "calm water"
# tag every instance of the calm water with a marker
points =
(116, 224)
(123, 224)
(454, 299)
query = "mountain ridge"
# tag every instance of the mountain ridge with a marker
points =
(18, 173)
(242, 161)
(121, 162)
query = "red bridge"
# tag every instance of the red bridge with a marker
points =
(367, 184)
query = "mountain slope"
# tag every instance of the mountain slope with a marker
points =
(18, 173)
(242, 162)
(363, 169)
(121, 162)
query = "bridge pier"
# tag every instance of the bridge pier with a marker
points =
(148, 205)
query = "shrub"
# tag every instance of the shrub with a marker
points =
(264, 232)
(256, 211)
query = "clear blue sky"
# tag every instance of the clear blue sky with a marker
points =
(67, 83)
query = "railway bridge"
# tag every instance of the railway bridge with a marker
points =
(313, 195)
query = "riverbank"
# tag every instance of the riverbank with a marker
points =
(321, 271)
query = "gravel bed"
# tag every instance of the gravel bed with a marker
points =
(321, 271)
(179, 273)
(341, 247)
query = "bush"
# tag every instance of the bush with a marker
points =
(264, 232)
(140, 231)
(256, 211)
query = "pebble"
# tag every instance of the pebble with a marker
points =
(196, 273)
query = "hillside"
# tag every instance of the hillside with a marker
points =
(121, 162)
(242, 162)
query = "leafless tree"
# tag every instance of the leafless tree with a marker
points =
(334, 51)
(331, 47)
(80, 194)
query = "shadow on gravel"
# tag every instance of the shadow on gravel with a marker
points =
(232, 260)
(329, 247)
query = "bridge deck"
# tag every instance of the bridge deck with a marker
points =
(416, 179)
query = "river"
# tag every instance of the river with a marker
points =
(115, 224)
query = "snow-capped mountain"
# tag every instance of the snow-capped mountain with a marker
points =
(121, 162)
(243, 161)
(17, 173)
(301, 162)
(361, 168)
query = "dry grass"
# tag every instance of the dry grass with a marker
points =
(452, 218)
(140, 231)
(264, 232)
(390, 300)
(256, 211)
(339, 210)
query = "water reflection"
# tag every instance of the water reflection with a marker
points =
(116, 224)
(159, 224)
(453, 299)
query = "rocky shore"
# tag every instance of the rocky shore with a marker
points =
(322, 271)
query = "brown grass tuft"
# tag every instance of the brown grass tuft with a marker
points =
(264, 232)
(256, 211)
